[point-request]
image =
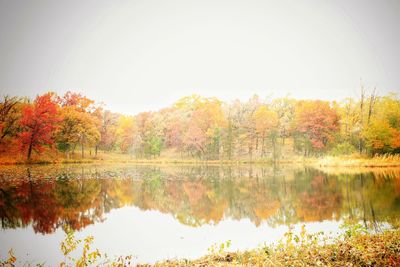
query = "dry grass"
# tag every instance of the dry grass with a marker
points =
(54, 157)
(360, 250)
(359, 161)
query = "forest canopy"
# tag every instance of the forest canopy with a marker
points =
(201, 127)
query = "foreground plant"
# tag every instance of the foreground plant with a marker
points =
(89, 257)
(356, 247)
(70, 244)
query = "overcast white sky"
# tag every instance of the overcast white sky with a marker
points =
(143, 55)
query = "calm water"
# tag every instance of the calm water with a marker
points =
(156, 213)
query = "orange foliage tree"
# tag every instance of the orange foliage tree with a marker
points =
(38, 123)
(316, 123)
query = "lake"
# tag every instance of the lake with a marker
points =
(161, 212)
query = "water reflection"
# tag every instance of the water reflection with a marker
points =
(46, 198)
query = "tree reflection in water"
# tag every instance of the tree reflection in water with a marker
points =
(48, 198)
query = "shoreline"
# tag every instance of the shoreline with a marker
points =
(304, 250)
(355, 247)
(325, 162)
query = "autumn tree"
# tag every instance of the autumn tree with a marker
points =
(284, 109)
(78, 125)
(206, 127)
(366, 106)
(203, 136)
(247, 136)
(68, 133)
(108, 129)
(89, 134)
(241, 130)
(349, 122)
(176, 123)
(379, 137)
(228, 133)
(315, 123)
(38, 123)
(10, 113)
(150, 127)
(126, 133)
(382, 134)
(266, 125)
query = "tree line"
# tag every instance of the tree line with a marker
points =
(202, 127)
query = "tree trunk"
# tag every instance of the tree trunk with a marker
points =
(29, 151)
(371, 105)
(361, 119)
(263, 146)
(83, 149)
(230, 145)
(251, 149)
(274, 148)
(30, 148)
(256, 142)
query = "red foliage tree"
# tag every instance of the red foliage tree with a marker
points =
(38, 123)
(316, 121)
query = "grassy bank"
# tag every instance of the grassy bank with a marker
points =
(356, 247)
(357, 250)
(353, 161)
(358, 161)
(58, 158)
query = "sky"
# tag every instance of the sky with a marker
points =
(142, 55)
